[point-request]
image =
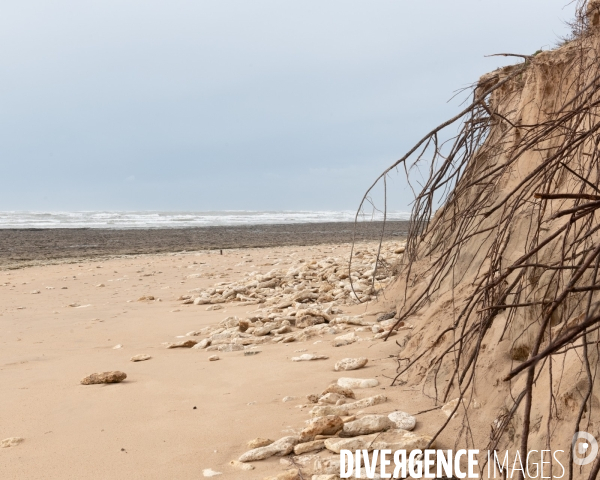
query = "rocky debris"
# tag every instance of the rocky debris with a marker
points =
(307, 357)
(35, 292)
(392, 440)
(105, 377)
(309, 447)
(450, 406)
(11, 442)
(344, 340)
(241, 466)
(403, 420)
(325, 425)
(335, 388)
(351, 383)
(325, 477)
(209, 472)
(118, 347)
(321, 411)
(386, 316)
(213, 358)
(366, 425)
(140, 358)
(288, 399)
(183, 344)
(148, 298)
(202, 344)
(281, 447)
(332, 399)
(259, 442)
(350, 364)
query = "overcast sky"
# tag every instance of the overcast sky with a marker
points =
(236, 104)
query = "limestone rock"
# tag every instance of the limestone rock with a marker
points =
(392, 440)
(403, 420)
(105, 377)
(344, 340)
(241, 466)
(202, 344)
(259, 442)
(332, 398)
(325, 425)
(140, 358)
(213, 358)
(183, 344)
(209, 472)
(335, 388)
(309, 447)
(307, 357)
(11, 442)
(357, 443)
(368, 402)
(350, 364)
(366, 425)
(350, 383)
(281, 447)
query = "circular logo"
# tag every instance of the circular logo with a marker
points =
(586, 450)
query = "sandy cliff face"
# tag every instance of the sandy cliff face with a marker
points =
(507, 269)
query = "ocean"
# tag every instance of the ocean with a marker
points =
(153, 219)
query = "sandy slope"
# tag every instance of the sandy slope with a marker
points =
(147, 426)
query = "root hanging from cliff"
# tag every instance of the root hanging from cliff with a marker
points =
(514, 250)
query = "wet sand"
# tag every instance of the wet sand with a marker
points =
(39, 246)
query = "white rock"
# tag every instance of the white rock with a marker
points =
(368, 424)
(307, 357)
(202, 344)
(11, 442)
(331, 398)
(450, 406)
(350, 364)
(209, 472)
(213, 358)
(346, 382)
(117, 347)
(140, 358)
(288, 399)
(403, 420)
(343, 340)
(241, 465)
(281, 447)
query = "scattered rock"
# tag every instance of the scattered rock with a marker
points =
(35, 292)
(350, 383)
(283, 446)
(332, 398)
(140, 358)
(403, 420)
(288, 399)
(344, 340)
(307, 357)
(202, 344)
(241, 466)
(209, 472)
(11, 442)
(386, 316)
(350, 364)
(335, 388)
(259, 442)
(249, 354)
(366, 425)
(309, 447)
(325, 425)
(293, 474)
(213, 358)
(117, 347)
(105, 377)
(183, 344)
(392, 440)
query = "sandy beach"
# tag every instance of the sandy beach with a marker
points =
(178, 413)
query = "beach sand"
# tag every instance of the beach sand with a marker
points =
(176, 414)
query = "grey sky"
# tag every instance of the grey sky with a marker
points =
(236, 104)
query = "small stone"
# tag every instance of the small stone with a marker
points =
(213, 358)
(183, 344)
(307, 357)
(193, 333)
(350, 364)
(259, 442)
(250, 354)
(403, 420)
(209, 472)
(366, 425)
(283, 446)
(335, 388)
(11, 442)
(325, 425)
(309, 447)
(324, 477)
(106, 377)
(100, 285)
(288, 399)
(214, 307)
(293, 474)
(35, 292)
(117, 347)
(140, 358)
(241, 465)
(344, 340)
(331, 398)
(350, 383)
(202, 344)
